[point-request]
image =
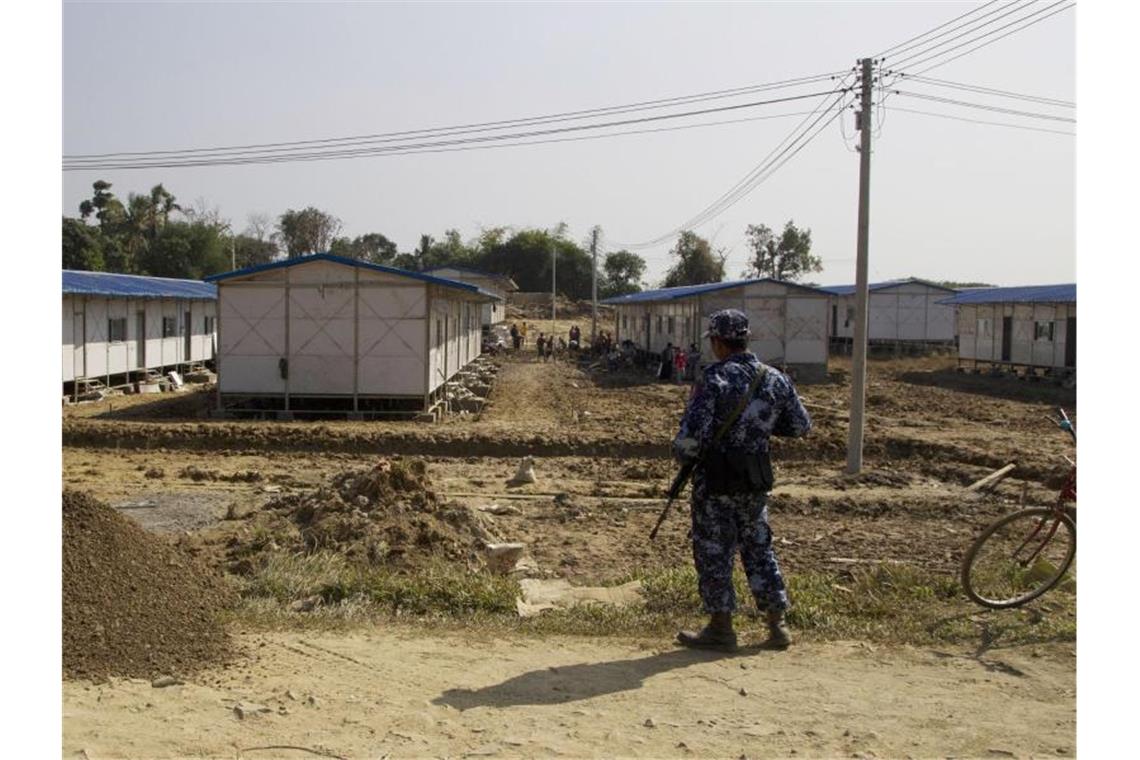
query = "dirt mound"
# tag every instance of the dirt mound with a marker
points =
(387, 514)
(133, 605)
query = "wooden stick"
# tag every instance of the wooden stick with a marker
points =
(992, 479)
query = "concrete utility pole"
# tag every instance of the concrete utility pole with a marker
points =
(594, 252)
(859, 358)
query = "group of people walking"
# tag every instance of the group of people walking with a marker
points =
(678, 364)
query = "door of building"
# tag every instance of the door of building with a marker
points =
(188, 328)
(1071, 342)
(1006, 337)
(140, 339)
(79, 344)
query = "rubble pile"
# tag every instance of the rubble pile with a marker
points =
(387, 514)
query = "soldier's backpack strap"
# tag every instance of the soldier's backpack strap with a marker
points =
(744, 402)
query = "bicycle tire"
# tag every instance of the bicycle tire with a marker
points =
(1014, 528)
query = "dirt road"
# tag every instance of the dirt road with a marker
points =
(381, 694)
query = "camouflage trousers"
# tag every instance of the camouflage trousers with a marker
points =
(722, 525)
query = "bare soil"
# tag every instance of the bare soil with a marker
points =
(407, 693)
(600, 444)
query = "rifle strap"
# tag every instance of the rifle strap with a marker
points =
(744, 402)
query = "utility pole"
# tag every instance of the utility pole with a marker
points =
(859, 357)
(553, 286)
(594, 252)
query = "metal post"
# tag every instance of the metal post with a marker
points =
(594, 251)
(859, 361)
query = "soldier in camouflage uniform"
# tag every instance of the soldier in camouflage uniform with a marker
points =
(732, 480)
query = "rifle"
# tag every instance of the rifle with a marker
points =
(686, 471)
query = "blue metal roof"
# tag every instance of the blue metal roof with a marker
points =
(135, 286)
(1065, 293)
(443, 281)
(683, 291)
(846, 290)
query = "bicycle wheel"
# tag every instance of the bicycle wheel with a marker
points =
(1019, 557)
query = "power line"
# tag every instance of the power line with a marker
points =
(935, 29)
(979, 121)
(898, 52)
(929, 50)
(919, 60)
(397, 149)
(765, 172)
(984, 44)
(988, 91)
(984, 107)
(475, 127)
(357, 153)
(742, 186)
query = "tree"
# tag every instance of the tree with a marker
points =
(307, 231)
(621, 274)
(372, 247)
(251, 252)
(696, 262)
(527, 256)
(82, 246)
(189, 250)
(786, 258)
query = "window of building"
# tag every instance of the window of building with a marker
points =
(208, 325)
(660, 324)
(117, 329)
(672, 325)
(985, 328)
(624, 321)
(438, 332)
(169, 327)
(1043, 331)
(850, 316)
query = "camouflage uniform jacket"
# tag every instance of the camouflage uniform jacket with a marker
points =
(775, 409)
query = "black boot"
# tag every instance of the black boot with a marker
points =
(718, 634)
(778, 635)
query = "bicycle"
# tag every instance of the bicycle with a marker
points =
(1022, 555)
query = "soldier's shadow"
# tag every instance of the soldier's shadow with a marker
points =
(571, 683)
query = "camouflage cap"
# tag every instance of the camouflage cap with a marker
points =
(728, 323)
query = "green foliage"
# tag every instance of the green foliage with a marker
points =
(373, 247)
(82, 246)
(696, 262)
(787, 257)
(621, 274)
(307, 231)
(189, 250)
(249, 251)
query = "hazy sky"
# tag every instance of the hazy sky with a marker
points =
(950, 199)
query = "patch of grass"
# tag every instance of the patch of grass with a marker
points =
(886, 604)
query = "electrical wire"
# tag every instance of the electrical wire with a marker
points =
(984, 44)
(759, 174)
(927, 51)
(404, 148)
(935, 29)
(982, 90)
(921, 58)
(474, 127)
(1009, 9)
(743, 186)
(984, 107)
(979, 121)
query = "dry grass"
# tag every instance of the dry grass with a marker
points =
(885, 604)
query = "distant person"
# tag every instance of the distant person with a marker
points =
(691, 362)
(541, 346)
(680, 360)
(665, 369)
(523, 333)
(516, 336)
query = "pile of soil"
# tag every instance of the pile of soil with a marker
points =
(387, 514)
(133, 605)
